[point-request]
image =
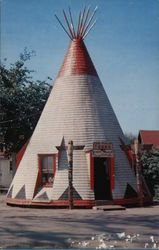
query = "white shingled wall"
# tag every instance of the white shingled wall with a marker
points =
(81, 180)
(61, 177)
(78, 109)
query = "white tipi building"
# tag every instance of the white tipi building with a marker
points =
(77, 109)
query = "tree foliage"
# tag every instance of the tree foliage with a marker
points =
(150, 167)
(130, 137)
(21, 102)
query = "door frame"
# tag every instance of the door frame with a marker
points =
(112, 172)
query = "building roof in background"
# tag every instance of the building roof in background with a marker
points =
(149, 137)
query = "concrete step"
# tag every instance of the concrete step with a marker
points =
(109, 207)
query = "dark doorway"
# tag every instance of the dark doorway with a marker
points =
(102, 179)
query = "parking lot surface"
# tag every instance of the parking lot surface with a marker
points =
(78, 228)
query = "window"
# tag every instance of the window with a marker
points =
(47, 165)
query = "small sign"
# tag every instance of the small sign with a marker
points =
(101, 149)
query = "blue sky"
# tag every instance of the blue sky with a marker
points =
(124, 46)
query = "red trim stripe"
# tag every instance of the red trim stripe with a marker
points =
(91, 171)
(76, 203)
(112, 174)
(20, 154)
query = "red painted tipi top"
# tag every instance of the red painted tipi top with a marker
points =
(77, 60)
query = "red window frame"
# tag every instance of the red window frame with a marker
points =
(46, 184)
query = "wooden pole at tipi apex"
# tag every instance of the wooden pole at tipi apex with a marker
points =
(82, 18)
(63, 27)
(79, 20)
(72, 25)
(70, 173)
(138, 171)
(90, 28)
(83, 26)
(89, 21)
(72, 36)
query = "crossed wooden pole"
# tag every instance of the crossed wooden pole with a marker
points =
(70, 173)
(138, 172)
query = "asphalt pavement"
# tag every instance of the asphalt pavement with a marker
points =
(78, 228)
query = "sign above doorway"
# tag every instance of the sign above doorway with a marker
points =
(102, 149)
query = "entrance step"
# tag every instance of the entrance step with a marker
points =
(109, 207)
(103, 202)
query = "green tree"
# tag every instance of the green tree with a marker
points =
(21, 102)
(150, 167)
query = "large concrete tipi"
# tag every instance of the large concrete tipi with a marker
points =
(77, 109)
